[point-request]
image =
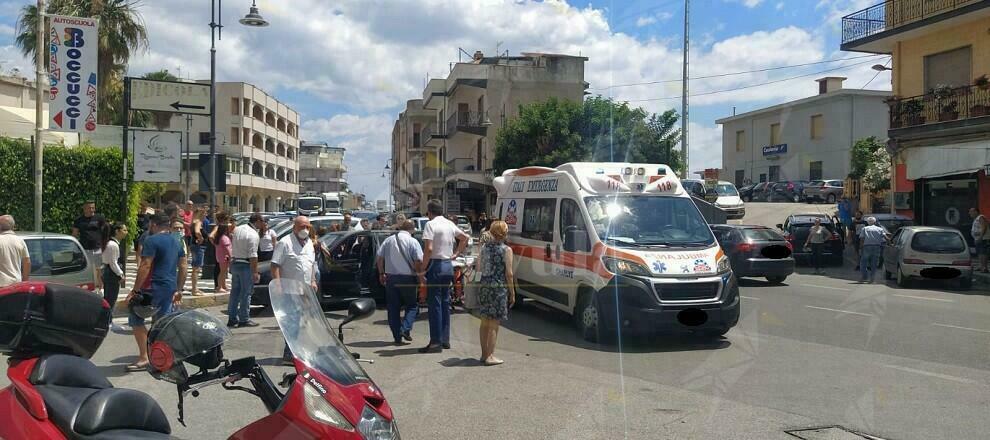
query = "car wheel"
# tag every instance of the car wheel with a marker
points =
(747, 199)
(586, 317)
(797, 198)
(830, 198)
(902, 280)
(776, 280)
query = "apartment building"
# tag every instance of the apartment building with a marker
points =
(321, 168)
(259, 137)
(443, 144)
(806, 139)
(940, 113)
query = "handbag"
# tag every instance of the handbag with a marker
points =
(472, 286)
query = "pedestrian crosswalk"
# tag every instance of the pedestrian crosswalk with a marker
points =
(203, 285)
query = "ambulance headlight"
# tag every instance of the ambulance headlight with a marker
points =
(624, 267)
(723, 265)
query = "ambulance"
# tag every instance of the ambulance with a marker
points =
(619, 246)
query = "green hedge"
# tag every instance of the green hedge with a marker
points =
(71, 176)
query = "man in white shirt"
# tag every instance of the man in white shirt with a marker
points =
(244, 271)
(398, 259)
(295, 259)
(440, 236)
(15, 262)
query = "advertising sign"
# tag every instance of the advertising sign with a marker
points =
(771, 150)
(157, 156)
(72, 73)
(170, 96)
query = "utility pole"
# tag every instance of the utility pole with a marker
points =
(186, 157)
(39, 145)
(684, 91)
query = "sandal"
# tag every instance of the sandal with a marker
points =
(137, 366)
(493, 362)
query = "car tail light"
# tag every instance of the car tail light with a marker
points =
(789, 245)
(87, 286)
(744, 247)
(913, 261)
(962, 263)
(835, 236)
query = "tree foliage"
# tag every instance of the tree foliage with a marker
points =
(871, 163)
(71, 176)
(122, 33)
(555, 131)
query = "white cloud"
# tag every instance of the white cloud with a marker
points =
(705, 143)
(748, 3)
(655, 18)
(644, 21)
(6, 30)
(779, 6)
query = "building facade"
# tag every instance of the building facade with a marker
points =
(259, 137)
(443, 144)
(321, 168)
(807, 139)
(940, 115)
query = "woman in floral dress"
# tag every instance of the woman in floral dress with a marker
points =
(497, 292)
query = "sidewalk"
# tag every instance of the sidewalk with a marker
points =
(209, 296)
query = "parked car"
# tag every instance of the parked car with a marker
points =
(58, 258)
(728, 200)
(759, 192)
(694, 187)
(756, 251)
(828, 191)
(796, 228)
(786, 191)
(892, 222)
(464, 223)
(746, 192)
(928, 252)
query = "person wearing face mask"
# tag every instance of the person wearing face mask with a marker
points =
(294, 258)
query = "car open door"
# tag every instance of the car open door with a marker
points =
(339, 276)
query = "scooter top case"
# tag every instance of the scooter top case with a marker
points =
(40, 317)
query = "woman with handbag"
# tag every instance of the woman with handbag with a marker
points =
(496, 290)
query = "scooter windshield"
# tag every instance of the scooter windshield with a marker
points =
(309, 335)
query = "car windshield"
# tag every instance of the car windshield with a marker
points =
(938, 242)
(332, 204)
(726, 189)
(310, 204)
(309, 335)
(630, 220)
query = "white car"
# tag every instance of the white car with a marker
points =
(729, 201)
(928, 252)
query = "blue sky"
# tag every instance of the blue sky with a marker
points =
(348, 66)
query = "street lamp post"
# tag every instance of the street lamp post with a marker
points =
(388, 169)
(252, 19)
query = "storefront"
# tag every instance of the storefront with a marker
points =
(947, 181)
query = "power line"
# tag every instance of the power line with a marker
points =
(751, 85)
(875, 76)
(720, 75)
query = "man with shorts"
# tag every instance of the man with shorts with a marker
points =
(88, 229)
(161, 256)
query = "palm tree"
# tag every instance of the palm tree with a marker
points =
(122, 31)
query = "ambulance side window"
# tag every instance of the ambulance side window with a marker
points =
(538, 216)
(573, 230)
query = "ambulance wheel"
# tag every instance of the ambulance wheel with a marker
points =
(586, 316)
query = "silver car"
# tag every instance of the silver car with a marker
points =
(59, 259)
(928, 252)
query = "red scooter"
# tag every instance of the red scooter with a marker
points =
(57, 393)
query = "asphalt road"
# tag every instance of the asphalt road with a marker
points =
(817, 351)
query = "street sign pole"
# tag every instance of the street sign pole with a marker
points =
(39, 144)
(125, 143)
(214, 26)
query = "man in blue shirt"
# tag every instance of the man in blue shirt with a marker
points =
(873, 238)
(845, 216)
(162, 255)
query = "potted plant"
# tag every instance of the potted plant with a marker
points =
(912, 110)
(982, 82)
(896, 114)
(949, 111)
(942, 91)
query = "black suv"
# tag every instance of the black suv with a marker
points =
(796, 229)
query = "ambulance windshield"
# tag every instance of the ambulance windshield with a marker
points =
(635, 221)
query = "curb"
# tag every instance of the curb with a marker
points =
(188, 302)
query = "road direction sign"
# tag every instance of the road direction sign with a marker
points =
(170, 96)
(157, 156)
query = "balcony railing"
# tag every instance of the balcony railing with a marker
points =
(892, 14)
(431, 132)
(943, 106)
(462, 165)
(471, 122)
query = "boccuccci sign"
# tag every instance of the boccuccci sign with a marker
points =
(72, 73)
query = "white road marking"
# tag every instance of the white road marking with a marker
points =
(923, 297)
(749, 297)
(840, 311)
(961, 328)
(827, 287)
(930, 374)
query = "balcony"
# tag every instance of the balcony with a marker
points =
(870, 30)
(431, 175)
(956, 111)
(475, 123)
(466, 168)
(432, 136)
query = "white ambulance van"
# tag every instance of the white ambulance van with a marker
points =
(620, 246)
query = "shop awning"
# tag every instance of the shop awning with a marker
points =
(945, 160)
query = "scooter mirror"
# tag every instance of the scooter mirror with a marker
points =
(358, 309)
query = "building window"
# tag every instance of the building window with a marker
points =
(538, 216)
(952, 68)
(235, 106)
(774, 173)
(817, 127)
(740, 140)
(763, 177)
(235, 136)
(815, 171)
(775, 134)
(204, 138)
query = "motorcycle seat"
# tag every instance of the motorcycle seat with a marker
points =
(85, 406)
